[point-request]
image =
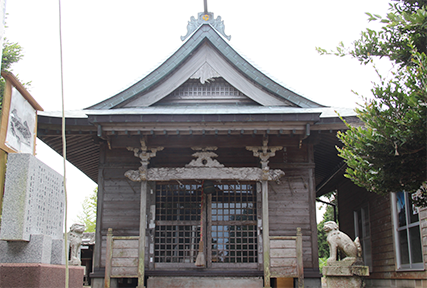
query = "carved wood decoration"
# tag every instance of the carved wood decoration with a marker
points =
(206, 73)
(204, 158)
(145, 154)
(264, 153)
(201, 168)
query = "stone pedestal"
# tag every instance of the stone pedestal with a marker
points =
(38, 275)
(206, 282)
(339, 276)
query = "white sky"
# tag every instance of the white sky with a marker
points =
(109, 45)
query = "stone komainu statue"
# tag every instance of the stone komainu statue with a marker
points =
(75, 237)
(339, 240)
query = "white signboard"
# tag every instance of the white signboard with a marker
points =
(21, 124)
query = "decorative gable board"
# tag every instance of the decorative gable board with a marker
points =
(205, 56)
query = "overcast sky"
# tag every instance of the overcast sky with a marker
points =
(109, 45)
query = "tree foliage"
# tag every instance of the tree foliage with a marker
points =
(388, 153)
(403, 28)
(321, 234)
(88, 216)
(12, 53)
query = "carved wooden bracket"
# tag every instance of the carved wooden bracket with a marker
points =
(202, 168)
(145, 154)
(264, 153)
(204, 158)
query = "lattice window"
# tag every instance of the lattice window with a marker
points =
(233, 224)
(216, 87)
(217, 91)
(231, 229)
(178, 226)
(177, 244)
(178, 202)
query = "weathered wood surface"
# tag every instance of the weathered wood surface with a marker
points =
(177, 144)
(286, 257)
(288, 201)
(121, 257)
(142, 234)
(265, 233)
(278, 272)
(289, 209)
(125, 252)
(283, 253)
(241, 174)
(120, 272)
(109, 253)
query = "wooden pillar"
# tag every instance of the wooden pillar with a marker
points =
(145, 154)
(109, 254)
(312, 210)
(142, 228)
(300, 259)
(99, 210)
(266, 234)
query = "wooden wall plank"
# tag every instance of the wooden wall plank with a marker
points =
(283, 253)
(124, 262)
(125, 244)
(130, 272)
(283, 262)
(125, 253)
(289, 209)
(280, 271)
(283, 244)
(383, 252)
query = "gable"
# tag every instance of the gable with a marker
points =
(206, 60)
(205, 46)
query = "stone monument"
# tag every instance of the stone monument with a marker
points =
(31, 236)
(347, 272)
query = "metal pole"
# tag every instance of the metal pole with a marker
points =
(206, 6)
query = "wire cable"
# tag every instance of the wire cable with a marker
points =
(64, 151)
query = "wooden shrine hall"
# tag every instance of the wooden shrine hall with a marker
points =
(204, 160)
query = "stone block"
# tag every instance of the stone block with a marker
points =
(345, 270)
(20, 275)
(33, 200)
(97, 282)
(205, 282)
(312, 283)
(37, 250)
(58, 252)
(340, 282)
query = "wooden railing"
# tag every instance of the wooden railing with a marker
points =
(286, 257)
(122, 257)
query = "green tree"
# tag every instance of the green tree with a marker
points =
(388, 153)
(321, 234)
(88, 216)
(327, 216)
(12, 53)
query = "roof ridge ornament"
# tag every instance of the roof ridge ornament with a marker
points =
(205, 18)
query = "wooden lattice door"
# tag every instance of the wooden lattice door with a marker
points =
(229, 219)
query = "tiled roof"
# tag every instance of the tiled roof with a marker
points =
(204, 33)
